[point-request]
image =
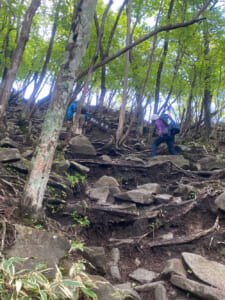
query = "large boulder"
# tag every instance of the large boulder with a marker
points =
(81, 145)
(47, 248)
(210, 162)
(201, 290)
(208, 271)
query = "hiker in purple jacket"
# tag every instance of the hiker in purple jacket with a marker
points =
(163, 137)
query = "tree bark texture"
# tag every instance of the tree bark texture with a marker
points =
(42, 161)
(37, 86)
(119, 131)
(17, 56)
(207, 98)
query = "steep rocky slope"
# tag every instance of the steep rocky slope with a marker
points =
(149, 225)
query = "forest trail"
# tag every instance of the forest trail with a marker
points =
(146, 210)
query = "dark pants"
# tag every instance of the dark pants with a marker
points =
(169, 140)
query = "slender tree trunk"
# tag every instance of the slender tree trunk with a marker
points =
(33, 97)
(106, 53)
(17, 56)
(140, 97)
(90, 71)
(160, 68)
(42, 161)
(119, 131)
(188, 118)
(207, 98)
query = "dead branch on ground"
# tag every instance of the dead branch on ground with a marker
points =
(185, 239)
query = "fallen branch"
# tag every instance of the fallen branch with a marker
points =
(184, 212)
(185, 239)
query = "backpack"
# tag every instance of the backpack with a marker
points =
(171, 127)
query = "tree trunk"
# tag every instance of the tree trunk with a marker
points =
(160, 68)
(207, 98)
(106, 53)
(37, 86)
(90, 71)
(188, 118)
(17, 56)
(41, 164)
(140, 97)
(119, 131)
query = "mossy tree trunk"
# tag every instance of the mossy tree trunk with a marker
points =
(10, 75)
(42, 161)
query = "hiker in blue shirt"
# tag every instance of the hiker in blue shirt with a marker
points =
(72, 110)
(166, 133)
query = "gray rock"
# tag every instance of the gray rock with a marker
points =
(28, 153)
(208, 271)
(9, 154)
(142, 196)
(147, 286)
(220, 201)
(99, 194)
(81, 145)
(178, 160)
(167, 236)
(115, 272)
(177, 200)
(153, 188)
(80, 168)
(107, 181)
(128, 291)
(22, 165)
(199, 289)
(96, 255)
(143, 276)
(185, 191)
(163, 197)
(115, 253)
(106, 158)
(160, 292)
(7, 142)
(47, 248)
(211, 162)
(174, 266)
(105, 290)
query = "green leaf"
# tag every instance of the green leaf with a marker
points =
(40, 266)
(54, 284)
(31, 285)
(89, 293)
(43, 295)
(73, 283)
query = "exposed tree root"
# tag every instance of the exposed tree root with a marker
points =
(185, 239)
(184, 212)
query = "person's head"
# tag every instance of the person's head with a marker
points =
(154, 117)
